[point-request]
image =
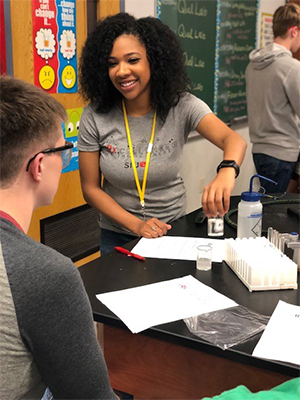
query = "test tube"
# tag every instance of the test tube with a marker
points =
(275, 238)
(283, 239)
(270, 234)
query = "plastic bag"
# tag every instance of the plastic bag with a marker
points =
(228, 327)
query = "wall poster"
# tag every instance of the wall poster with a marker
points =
(54, 45)
(71, 129)
(266, 29)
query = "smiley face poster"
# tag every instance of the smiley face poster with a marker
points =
(54, 45)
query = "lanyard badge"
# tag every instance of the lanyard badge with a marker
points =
(142, 190)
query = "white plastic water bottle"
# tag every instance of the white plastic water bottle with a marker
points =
(249, 215)
(250, 212)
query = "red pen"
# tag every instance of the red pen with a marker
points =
(129, 254)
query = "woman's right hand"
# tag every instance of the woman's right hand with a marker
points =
(152, 228)
(97, 198)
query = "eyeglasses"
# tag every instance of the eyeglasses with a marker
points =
(66, 154)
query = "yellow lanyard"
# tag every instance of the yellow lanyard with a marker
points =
(149, 150)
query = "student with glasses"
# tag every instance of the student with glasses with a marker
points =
(66, 154)
(48, 345)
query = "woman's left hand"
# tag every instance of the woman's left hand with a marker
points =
(216, 196)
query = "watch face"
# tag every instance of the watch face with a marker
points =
(227, 162)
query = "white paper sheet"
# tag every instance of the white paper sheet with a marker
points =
(178, 248)
(145, 306)
(280, 340)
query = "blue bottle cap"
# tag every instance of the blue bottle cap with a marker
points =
(250, 196)
(254, 196)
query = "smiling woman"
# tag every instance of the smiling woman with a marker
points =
(138, 120)
(129, 72)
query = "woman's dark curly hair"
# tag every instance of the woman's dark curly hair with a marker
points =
(168, 74)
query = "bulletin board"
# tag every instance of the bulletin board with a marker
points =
(216, 37)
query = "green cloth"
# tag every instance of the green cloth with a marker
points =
(289, 390)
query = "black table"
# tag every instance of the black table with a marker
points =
(167, 361)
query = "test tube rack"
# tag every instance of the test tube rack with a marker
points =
(260, 265)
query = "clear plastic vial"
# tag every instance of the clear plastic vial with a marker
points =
(215, 226)
(204, 257)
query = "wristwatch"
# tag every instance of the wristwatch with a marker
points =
(229, 164)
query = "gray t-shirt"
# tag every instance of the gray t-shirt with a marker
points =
(165, 196)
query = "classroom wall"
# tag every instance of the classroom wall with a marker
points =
(69, 194)
(201, 158)
(140, 8)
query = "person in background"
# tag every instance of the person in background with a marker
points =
(139, 117)
(47, 336)
(294, 185)
(273, 101)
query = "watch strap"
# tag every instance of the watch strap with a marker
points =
(229, 164)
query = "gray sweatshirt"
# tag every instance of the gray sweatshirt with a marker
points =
(273, 102)
(47, 335)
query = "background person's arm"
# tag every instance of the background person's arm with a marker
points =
(292, 88)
